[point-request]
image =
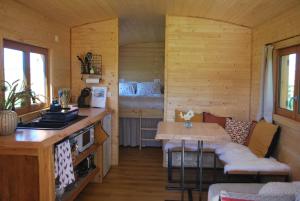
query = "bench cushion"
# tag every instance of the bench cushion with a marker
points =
(262, 137)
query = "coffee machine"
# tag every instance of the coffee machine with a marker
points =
(84, 98)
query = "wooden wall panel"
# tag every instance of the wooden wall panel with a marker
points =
(207, 67)
(142, 61)
(284, 26)
(22, 24)
(99, 38)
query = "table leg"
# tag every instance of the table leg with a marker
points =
(182, 169)
(200, 149)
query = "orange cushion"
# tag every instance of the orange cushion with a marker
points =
(196, 118)
(261, 138)
(210, 118)
(252, 126)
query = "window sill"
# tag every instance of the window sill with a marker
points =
(286, 122)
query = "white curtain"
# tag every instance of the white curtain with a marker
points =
(267, 86)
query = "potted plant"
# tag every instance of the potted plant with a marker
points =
(15, 96)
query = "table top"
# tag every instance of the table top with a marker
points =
(209, 132)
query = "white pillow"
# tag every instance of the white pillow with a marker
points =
(126, 89)
(147, 88)
(279, 188)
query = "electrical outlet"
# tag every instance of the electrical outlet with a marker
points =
(109, 94)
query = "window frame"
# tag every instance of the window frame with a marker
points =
(295, 114)
(27, 49)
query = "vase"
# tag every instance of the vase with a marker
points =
(8, 122)
(64, 95)
(188, 124)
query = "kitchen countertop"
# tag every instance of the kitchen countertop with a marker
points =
(33, 139)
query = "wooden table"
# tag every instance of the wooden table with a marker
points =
(201, 132)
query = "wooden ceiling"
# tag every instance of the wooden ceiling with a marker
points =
(143, 20)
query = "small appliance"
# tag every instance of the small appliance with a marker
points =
(83, 139)
(98, 97)
(83, 98)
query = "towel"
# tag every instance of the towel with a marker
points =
(63, 164)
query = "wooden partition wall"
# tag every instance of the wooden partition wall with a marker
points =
(99, 38)
(207, 67)
(284, 26)
(142, 61)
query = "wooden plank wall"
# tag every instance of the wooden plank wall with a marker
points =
(283, 26)
(99, 38)
(22, 24)
(142, 61)
(207, 67)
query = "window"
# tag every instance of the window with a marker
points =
(288, 82)
(28, 64)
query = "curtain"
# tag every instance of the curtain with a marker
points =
(129, 132)
(267, 86)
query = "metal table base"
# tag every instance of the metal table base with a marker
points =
(199, 167)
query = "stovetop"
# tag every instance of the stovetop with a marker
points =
(48, 125)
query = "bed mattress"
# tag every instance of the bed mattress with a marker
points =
(141, 102)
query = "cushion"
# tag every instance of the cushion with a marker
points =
(215, 189)
(198, 117)
(210, 118)
(262, 137)
(238, 130)
(232, 196)
(252, 126)
(280, 188)
(126, 89)
(148, 89)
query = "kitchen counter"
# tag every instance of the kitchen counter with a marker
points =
(31, 138)
(27, 160)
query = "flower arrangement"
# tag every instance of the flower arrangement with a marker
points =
(187, 116)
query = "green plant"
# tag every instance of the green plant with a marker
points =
(16, 96)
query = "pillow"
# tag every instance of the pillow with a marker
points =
(279, 188)
(148, 88)
(126, 89)
(198, 117)
(231, 196)
(237, 130)
(210, 118)
(262, 137)
(252, 126)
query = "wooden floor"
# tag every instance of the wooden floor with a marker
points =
(139, 177)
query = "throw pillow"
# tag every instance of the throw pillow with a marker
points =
(148, 89)
(210, 118)
(237, 130)
(279, 188)
(126, 89)
(262, 137)
(198, 117)
(252, 126)
(232, 196)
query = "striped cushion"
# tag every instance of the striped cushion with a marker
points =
(231, 196)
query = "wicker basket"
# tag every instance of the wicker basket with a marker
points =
(8, 122)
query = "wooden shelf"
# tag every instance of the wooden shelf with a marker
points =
(85, 154)
(80, 185)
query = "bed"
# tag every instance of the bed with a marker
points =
(140, 109)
